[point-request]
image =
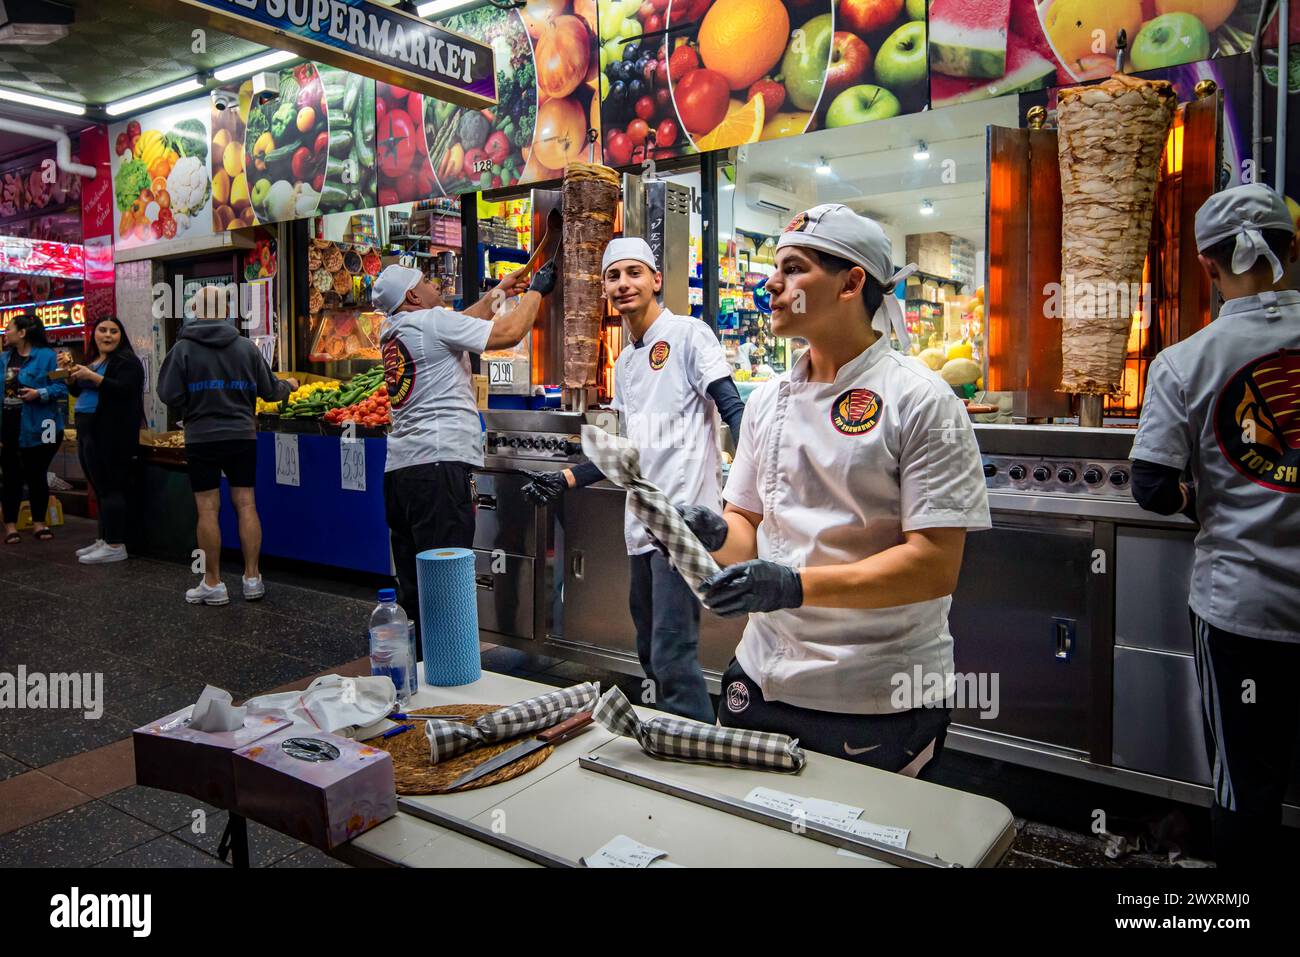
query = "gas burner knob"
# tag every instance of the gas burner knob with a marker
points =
(1016, 473)
(1066, 475)
(1118, 477)
(990, 470)
(572, 448)
(1042, 473)
(513, 442)
(1094, 476)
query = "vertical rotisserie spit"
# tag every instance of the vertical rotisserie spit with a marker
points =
(1110, 138)
(590, 200)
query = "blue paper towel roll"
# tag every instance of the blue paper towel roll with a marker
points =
(448, 616)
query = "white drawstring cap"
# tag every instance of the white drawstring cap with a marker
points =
(392, 286)
(839, 231)
(1244, 212)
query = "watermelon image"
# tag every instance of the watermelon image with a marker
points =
(968, 38)
(1272, 402)
(1027, 69)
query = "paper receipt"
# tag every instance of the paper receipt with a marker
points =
(622, 851)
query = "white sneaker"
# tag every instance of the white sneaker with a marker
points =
(205, 594)
(104, 554)
(254, 588)
(96, 544)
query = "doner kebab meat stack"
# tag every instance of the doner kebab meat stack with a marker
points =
(1110, 137)
(590, 198)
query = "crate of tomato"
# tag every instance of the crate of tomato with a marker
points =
(371, 412)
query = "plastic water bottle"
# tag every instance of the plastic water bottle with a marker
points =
(390, 644)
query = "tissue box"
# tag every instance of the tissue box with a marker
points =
(320, 788)
(172, 756)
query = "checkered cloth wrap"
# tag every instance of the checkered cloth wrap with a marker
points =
(449, 738)
(681, 739)
(620, 460)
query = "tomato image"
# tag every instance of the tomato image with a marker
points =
(396, 146)
(702, 97)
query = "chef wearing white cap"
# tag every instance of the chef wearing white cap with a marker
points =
(856, 479)
(668, 381)
(1219, 440)
(436, 438)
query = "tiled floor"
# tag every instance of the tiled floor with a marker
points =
(67, 784)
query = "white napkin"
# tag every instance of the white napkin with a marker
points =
(332, 703)
(215, 711)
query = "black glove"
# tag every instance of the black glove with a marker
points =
(544, 279)
(709, 527)
(543, 488)
(755, 585)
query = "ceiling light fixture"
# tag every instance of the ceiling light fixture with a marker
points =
(434, 7)
(927, 208)
(922, 152)
(233, 71)
(727, 186)
(150, 97)
(823, 167)
(42, 102)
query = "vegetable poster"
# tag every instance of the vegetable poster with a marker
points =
(985, 48)
(161, 185)
(305, 152)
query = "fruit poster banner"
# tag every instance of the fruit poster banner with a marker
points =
(306, 152)
(161, 185)
(985, 48)
(731, 72)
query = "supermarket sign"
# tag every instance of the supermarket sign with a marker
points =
(361, 36)
(54, 313)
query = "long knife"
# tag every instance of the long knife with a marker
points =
(556, 734)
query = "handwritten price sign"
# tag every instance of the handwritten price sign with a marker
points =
(352, 464)
(286, 459)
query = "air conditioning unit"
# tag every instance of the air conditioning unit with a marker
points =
(770, 199)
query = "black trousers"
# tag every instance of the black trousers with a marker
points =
(427, 506)
(666, 614)
(1251, 712)
(886, 741)
(109, 474)
(24, 467)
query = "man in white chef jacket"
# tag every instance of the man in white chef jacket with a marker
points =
(856, 478)
(437, 439)
(671, 382)
(1219, 441)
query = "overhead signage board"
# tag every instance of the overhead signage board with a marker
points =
(360, 36)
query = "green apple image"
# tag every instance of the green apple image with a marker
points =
(901, 59)
(1169, 40)
(804, 65)
(861, 104)
(916, 9)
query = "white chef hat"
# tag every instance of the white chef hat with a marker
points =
(628, 247)
(392, 286)
(1244, 211)
(838, 231)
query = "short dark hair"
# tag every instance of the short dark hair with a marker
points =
(1278, 240)
(31, 324)
(873, 292)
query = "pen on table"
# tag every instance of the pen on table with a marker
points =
(399, 716)
(396, 731)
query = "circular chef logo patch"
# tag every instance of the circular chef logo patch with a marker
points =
(737, 697)
(856, 412)
(399, 372)
(658, 355)
(798, 223)
(1257, 420)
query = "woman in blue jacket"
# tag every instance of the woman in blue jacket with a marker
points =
(31, 423)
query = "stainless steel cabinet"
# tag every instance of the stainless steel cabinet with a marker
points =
(1021, 611)
(1158, 715)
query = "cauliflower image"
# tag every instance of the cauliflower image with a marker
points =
(188, 185)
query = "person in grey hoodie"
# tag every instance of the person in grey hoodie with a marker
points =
(212, 379)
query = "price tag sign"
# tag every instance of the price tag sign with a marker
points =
(352, 464)
(501, 372)
(286, 459)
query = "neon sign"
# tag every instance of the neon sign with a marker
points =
(54, 314)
